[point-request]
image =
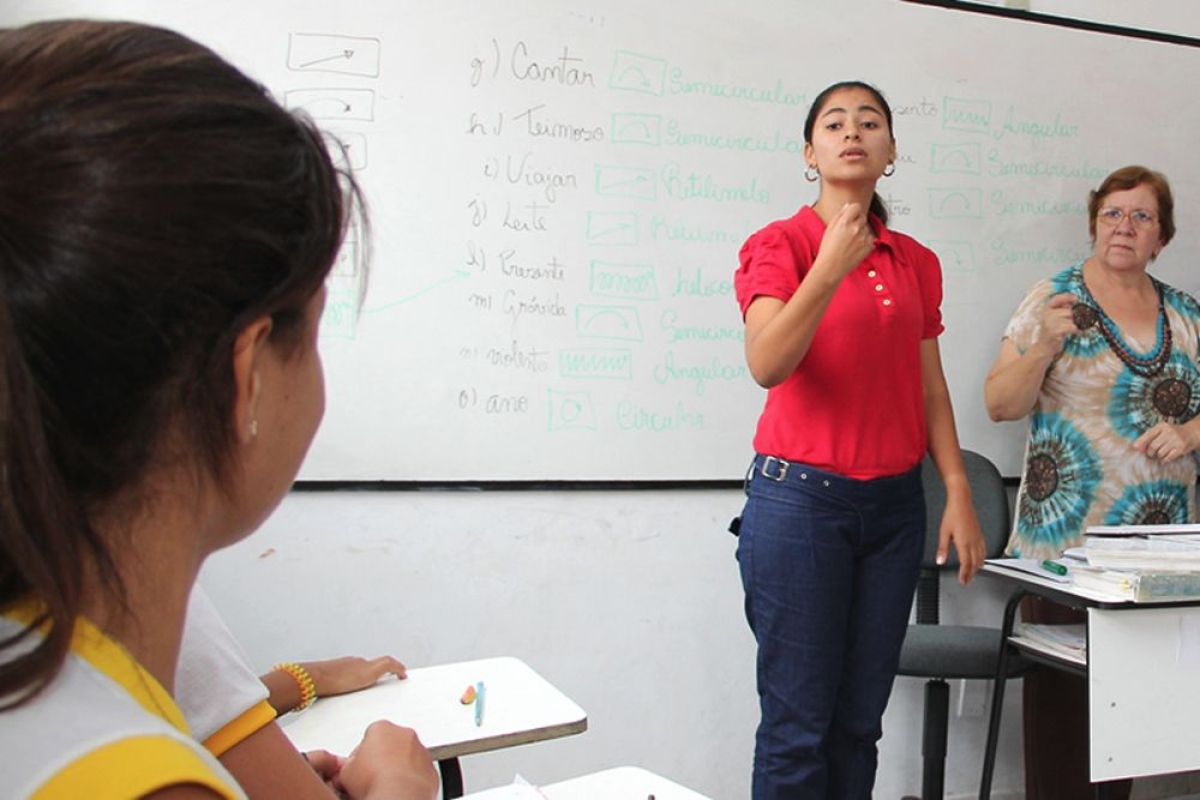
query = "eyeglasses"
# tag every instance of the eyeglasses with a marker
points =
(1112, 217)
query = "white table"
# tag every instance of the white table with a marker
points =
(520, 707)
(1143, 660)
(619, 783)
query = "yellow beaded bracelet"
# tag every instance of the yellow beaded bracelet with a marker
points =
(308, 689)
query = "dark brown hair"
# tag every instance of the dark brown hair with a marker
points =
(153, 201)
(878, 207)
(1132, 177)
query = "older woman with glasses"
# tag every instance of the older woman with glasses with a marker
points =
(1102, 357)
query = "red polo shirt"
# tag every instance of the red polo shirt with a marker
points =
(855, 404)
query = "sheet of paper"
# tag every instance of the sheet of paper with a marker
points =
(1071, 636)
(1067, 641)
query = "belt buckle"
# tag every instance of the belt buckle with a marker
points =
(783, 468)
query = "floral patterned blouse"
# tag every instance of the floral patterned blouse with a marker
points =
(1080, 466)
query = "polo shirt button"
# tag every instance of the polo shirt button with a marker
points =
(872, 274)
(879, 287)
(887, 302)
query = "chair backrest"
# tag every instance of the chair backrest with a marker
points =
(991, 505)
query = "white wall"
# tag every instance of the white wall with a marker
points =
(630, 602)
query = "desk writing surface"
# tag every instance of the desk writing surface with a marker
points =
(1040, 583)
(521, 707)
(626, 783)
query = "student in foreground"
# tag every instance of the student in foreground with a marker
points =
(233, 711)
(842, 317)
(165, 234)
(1103, 359)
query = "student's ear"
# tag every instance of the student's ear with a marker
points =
(248, 351)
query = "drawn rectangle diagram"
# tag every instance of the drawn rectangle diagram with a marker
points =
(951, 203)
(333, 103)
(637, 73)
(635, 182)
(637, 129)
(608, 322)
(348, 149)
(571, 411)
(961, 158)
(966, 115)
(346, 265)
(606, 363)
(612, 228)
(346, 55)
(955, 256)
(627, 281)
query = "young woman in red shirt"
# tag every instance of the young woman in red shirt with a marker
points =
(842, 316)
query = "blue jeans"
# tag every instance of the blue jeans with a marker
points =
(829, 565)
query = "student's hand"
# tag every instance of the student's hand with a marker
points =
(390, 763)
(1166, 442)
(960, 525)
(1058, 322)
(350, 673)
(848, 240)
(325, 763)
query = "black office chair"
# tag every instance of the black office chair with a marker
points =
(941, 652)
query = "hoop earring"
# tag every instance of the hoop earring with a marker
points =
(890, 169)
(811, 173)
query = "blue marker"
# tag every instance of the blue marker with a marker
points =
(480, 690)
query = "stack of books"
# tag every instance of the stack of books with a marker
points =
(1063, 641)
(1141, 562)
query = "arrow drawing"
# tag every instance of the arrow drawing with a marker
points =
(346, 55)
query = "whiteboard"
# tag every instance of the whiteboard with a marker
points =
(559, 190)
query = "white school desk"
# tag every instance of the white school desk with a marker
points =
(1143, 661)
(619, 783)
(520, 707)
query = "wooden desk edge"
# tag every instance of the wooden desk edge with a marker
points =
(491, 743)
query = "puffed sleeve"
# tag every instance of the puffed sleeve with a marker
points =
(929, 275)
(770, 265)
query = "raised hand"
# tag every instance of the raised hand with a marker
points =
(1058, 322)
(848, 240)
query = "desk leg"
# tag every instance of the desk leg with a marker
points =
(993, 738)
(452, 782)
